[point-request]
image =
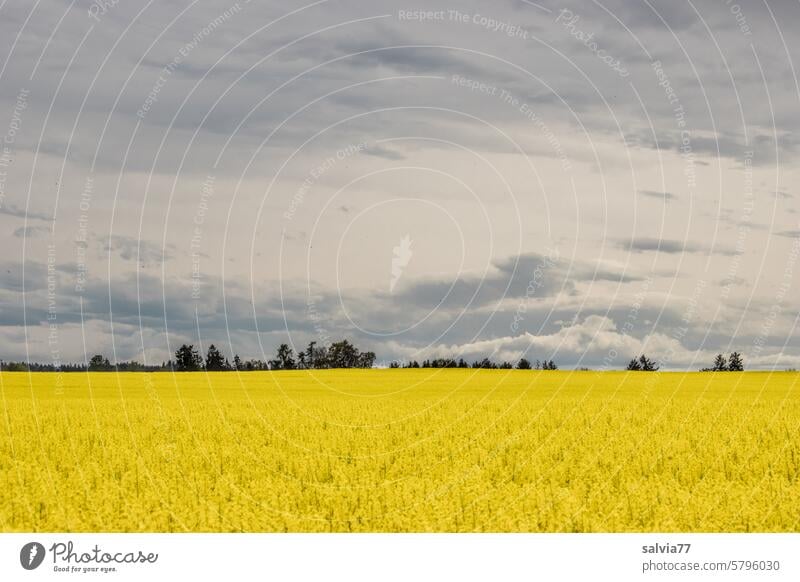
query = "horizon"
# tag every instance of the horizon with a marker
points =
(270, 365)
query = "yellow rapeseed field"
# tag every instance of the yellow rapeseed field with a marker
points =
(400, 450)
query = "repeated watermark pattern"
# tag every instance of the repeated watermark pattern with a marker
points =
(10, 138)
(525, 109)
(514, 125)
(183, 53)
(569, 20)
(504, 27)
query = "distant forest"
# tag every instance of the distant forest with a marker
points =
(341, 354)
(337, 355)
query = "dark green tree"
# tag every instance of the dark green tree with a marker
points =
(634, 365)
(215, 361)
(342, 354)
(14, 366)
(284, 359)
(720, 364)
(485, 364)
(316, 357)
(187, 359)
(366, 359)
(309, 358)
(647, 365)
(523, 364)
(99, 364)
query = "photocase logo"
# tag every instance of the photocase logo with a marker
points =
(401, 256)
(31, 555)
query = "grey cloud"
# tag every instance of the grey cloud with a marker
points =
(659, 14)
(733, 281)
(385, 153)
(663, 196)
(532, 275)
(133, 249)
(761, 149)
(14, 210)
(30, 231)
(641, 245)
(18, 277)
(716, 129)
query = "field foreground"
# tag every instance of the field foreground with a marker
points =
(400, 450)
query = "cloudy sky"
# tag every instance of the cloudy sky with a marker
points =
(567, 180)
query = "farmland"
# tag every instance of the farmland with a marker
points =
(400, 450)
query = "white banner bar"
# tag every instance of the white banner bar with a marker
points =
(401, 557)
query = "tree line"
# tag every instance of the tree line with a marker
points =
(485, 363)
(733, 363)
(341, 354)
(97, 363)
